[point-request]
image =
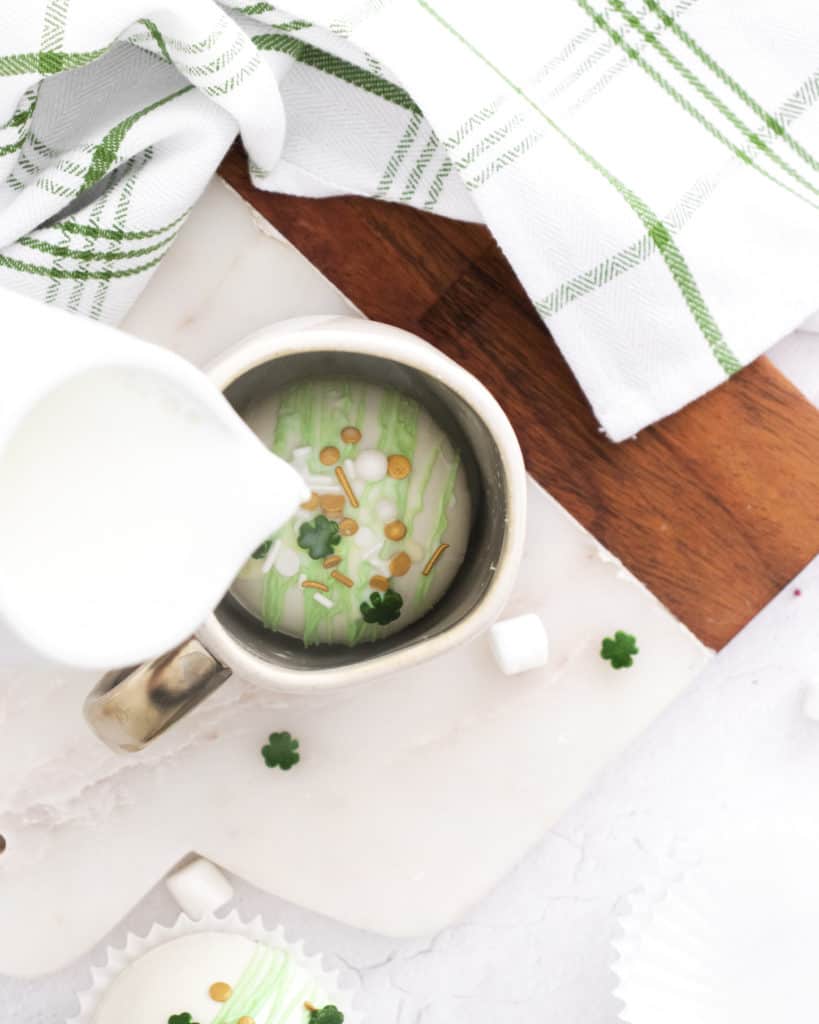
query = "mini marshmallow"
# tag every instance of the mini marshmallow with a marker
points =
(810, 702)
(519, 644)
(199, 888)
(371, 465)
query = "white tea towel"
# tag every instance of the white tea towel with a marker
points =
(650, 167)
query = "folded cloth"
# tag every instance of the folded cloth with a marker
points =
(650, 167)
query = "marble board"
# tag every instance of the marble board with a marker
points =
(414, 796)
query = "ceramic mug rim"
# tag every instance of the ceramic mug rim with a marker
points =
(366, 337)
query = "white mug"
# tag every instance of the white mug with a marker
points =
(130, 707)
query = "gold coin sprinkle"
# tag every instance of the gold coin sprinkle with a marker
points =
(398, 466)
(351, 435)
(220, 992)
(395, 530)
(400, 564)
(328, 456)
(331, 560)
(312, 502)
(435, 556)
(332, 505)
(341, 476)
(345, 580)
(348, 527)
(246, 1020)
(379, 583)
(315, 585)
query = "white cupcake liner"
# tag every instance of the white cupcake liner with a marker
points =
(731, 941)
(118, 959)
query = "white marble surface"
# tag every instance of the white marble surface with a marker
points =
(376, 786)
(735, 747)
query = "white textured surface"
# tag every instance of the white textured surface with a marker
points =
(735, 746)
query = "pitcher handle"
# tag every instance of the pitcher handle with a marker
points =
(130, 707)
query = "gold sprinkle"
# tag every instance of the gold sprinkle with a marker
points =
(220, 992)
(342, 578)
(345, 483)
(379, 583)
(332, 505)
(395, 530)
(400, 564)
(309, 1007)
(331, 560)
(398, 466)
(328, 456)
(348, 527)
(312, 502)
(315, 585)
(436, 555)
(351, 435)
(246, 1020)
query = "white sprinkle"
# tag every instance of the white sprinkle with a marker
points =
(322, 599)
(302, 578)
(349, 469)
(326, 483)
(288, 562)
(267, 564)
(365, 537)
(371, 465)
(414, 550)
(386, 510)
(302, 453)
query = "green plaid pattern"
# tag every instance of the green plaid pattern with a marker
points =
(650, 167)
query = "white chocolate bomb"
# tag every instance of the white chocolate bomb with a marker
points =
(405, 473)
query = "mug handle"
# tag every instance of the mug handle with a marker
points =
(130, 707)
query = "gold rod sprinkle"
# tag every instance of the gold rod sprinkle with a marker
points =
(342, 578)
(315, 585)
(431, 563)
(345, 483)
(331, 560)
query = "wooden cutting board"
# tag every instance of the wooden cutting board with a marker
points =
(715, 508)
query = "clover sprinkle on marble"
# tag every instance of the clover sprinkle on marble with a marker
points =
(281, 751)
(181, 1018)
(620, 649)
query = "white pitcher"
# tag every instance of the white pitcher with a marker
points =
(130, 492)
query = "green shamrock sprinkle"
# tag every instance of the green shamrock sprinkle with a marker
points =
(262, 549)
(620, 650)
(319, 536)
(281, 751)
(327, 1015)
(383, 608)
(181, 1018)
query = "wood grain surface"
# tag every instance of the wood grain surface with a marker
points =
(715, 509)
